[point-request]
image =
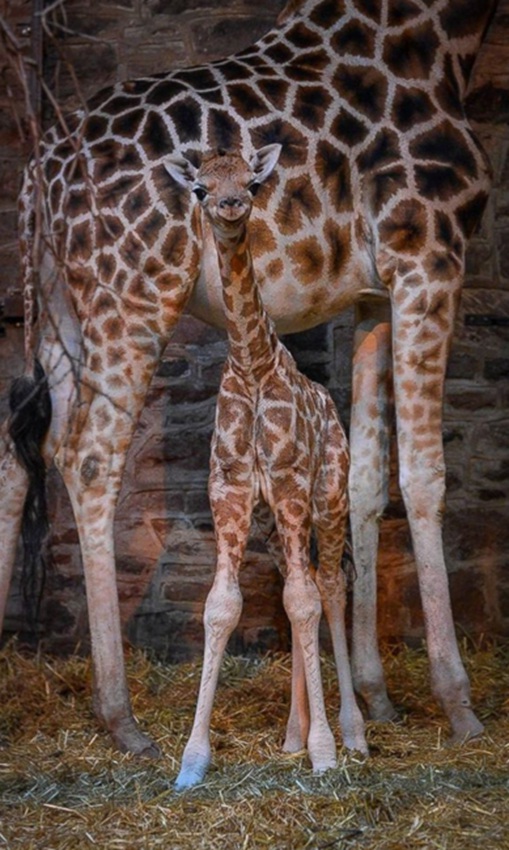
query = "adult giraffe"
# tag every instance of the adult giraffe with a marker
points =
(380, 184)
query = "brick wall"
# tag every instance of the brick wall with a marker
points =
(165, 551)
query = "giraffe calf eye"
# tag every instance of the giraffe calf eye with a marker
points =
(200, 193)
(253, 188)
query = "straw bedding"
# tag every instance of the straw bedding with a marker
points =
(63, 788)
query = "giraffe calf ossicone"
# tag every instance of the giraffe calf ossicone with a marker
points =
(277, 442)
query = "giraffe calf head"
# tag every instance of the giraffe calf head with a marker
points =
(225, 183)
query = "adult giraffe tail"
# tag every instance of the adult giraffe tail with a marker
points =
(30, 406)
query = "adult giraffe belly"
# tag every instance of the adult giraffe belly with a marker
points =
(303, 282)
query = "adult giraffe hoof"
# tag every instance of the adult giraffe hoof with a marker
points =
(382, 711)
(355, 743)
(129, 739)
(465, 726)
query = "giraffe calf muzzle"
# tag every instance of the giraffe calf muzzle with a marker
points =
(232, 209)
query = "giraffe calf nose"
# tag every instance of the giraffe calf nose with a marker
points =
(229, 202)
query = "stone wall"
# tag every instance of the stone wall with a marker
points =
(165, 550)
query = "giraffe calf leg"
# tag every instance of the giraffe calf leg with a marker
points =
(222, 612)
(297, 726)
(302, 604)
(333, 596)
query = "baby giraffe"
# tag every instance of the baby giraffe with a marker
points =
(277, 440)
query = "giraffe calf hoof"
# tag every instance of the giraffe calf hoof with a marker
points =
(321, 765)
(191, 773)
(356, 744)
(294, 741)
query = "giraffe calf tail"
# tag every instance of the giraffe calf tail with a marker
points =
(30, 405)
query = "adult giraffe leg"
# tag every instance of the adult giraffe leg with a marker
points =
(368, 491)
(232, 508)
(91, 462)
(13, 490)
(420, 347)
(330, 512)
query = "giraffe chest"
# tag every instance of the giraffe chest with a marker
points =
(301, 279)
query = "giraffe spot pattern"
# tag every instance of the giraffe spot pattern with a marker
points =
(441, 266)
(200, 79)
(164, 91)
(112, 194)
(402, 11)
(127, 124)
(278, 131)
(326, 14)
(339, 245)
(411, 106)
(438, 181)
(355, 38)
(310, 106)
(385, 185)
(302, 37)
(155, 137)
(307, 256)
(299, 202)
(364, 88)
(96, 126)
(308, 66)
(333, 170)
(469, 214)
(460, 19)
(279, 53)
(349, 130)
(405, 230)
(383, 151)
(371, 8)
(245, 101)
(447, 91)
(223, 130)
(411, 55)
(136, 203)
(275, 91)
(186, 115)
(235, 71)
(446, 144)
(262, 237)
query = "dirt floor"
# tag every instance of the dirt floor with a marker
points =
(63, 788)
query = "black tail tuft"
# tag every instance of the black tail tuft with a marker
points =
(30, 404)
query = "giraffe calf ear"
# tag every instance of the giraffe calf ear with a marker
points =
(264, 161)
(182, 171)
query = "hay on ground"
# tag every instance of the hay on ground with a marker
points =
(62, 787)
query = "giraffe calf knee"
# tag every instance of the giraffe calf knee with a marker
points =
(222, 608)
(302, 602)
